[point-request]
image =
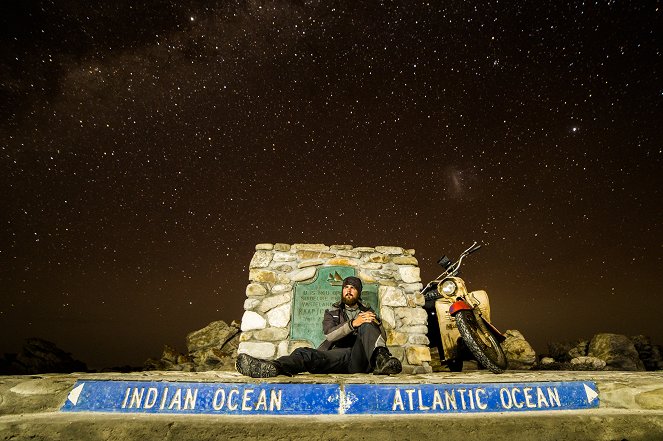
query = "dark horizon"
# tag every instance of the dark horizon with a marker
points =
(147, 147)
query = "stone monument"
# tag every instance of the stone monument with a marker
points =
(290, 286)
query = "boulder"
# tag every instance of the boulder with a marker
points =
(38, 356)
(648, 353)
(213, 347)
(618, 351)
(587, 364)
(518, 351)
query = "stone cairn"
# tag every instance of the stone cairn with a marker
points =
(275, 268)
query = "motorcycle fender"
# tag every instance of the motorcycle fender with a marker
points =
(459, 305)
(498, 335)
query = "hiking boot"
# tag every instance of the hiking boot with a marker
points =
(255, 368)
(385, 364)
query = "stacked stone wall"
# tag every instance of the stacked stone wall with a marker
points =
(275, 268)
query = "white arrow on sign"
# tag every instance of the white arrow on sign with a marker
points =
(75, 393)
(591, 393)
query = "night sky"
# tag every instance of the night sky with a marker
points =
(147, 146)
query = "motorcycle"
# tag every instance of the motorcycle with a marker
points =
(459, 321)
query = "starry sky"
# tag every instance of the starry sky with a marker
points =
(147, 146)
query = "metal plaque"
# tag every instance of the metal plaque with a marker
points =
(313, 298)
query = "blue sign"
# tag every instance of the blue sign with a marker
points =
(326, 399)
(203, 398)
(468, 398)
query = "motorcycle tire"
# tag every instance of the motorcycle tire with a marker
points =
(481, 342)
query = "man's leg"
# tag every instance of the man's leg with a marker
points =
(368, 339)
(334, 361)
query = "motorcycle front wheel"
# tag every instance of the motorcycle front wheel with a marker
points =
(481, 342)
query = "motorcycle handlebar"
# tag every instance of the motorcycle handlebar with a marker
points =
(473, 248)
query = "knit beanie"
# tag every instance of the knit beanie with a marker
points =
(354, 281)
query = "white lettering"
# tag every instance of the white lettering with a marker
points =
(163, 399)
(262, 400)
(126, 398)
(481, 405)
(190, 399)
(398, 401)
(421, 404)
(219, 399)
(232, 405)
(246, 398)
(462, 397)
(409, 393)
(176, 401)
(136, 398)
(553, 396)
(528, 398)
(541, 398)
(504, 395)
(275, 400)
(450, 399)
(519, 405)
(151, 398)
(437, 400)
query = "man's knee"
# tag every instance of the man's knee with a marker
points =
(368, 328)
(305, 353)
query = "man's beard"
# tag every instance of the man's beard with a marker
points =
(349, 301)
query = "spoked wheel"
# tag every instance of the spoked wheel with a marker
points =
(481, 342)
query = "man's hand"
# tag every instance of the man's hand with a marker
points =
(364, 317)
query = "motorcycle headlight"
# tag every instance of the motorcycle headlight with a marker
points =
(447, 288)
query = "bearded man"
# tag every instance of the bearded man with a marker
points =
(354, 343)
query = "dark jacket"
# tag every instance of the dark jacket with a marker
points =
(338, 331)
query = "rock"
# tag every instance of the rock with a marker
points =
(417, 354)
(648, 353)
(412, 316)
(261, 259)
(389, 250)
(547, 360)
(260, 275)
(281, 247)
(309, 247)
(38, 356)
(343, 261)
(269, 303)
(580, 350)
(587, 364)
(378, 258)
(409, 274)
(250, 304)
(214, 335)
(252, 320)
(405, 260)
(310, 262)
(271, 334)
(518, 351)
(213, 347)
(255, 290)
(264, 246)
(262, 350)
(618, 351)
(284, 257)
(282, 288)
(387, 316)
(279, 317)
(391, 296)
(560, 350)
(303, 274)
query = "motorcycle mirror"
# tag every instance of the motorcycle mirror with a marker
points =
(444, 262)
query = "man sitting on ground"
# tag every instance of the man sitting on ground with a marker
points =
(355, 343)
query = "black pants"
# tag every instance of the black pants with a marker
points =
(355, 359)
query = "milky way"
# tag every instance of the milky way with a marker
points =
(148, 146)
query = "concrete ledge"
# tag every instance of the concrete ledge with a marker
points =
(631, 407)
